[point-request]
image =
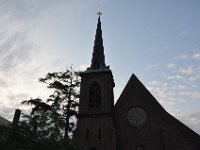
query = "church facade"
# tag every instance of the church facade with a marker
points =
(136, 122)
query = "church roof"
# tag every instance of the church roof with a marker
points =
(135, 93)
(149, 120)
(4, 121)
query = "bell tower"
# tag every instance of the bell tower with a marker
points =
(95, 129)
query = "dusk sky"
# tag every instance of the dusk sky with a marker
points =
(157, 40)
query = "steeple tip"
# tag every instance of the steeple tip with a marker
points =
(98, 57)
(99, 14)
(99, 19)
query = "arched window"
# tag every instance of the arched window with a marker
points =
(95, 95)
(140, 147)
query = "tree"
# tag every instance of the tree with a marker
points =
(23, 138)
(60, 106)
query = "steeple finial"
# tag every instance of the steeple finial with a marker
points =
(99, 14)
(98, 57)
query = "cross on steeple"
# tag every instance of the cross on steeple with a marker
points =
(99, 13)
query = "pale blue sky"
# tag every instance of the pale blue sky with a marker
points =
(157, 40)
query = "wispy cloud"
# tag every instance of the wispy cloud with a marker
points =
(178, 87)
(196, 56)
(152, 66)
(83, 67)
(170, 66)
(175, 77)
(191, 94)
(182, 56)
(190, 119)
(20, 57)
(186, 70)
(154, 83)
(194, 77)
(162, 93)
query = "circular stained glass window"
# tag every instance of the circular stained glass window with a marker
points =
(137, 116)
(140, 148)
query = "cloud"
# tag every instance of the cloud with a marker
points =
(3, 83)
(179, 87)
(162, 93)
(25, 52)
(194, 78)
(154, 83)
(20, 55)
(182, 56)
(196, 56)
(14, 54)
(192, 120)
(170, 66)
(151, 66)
(176, 77)
(6, 111)
(186, 70)
(83, 67)
(191, 94)
(166, 104)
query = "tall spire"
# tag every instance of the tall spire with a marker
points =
(98, 57)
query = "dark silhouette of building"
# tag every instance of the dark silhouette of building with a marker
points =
(4, 122)
(136, 122)
(95, 122)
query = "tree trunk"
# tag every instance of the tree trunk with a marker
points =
(66, 137)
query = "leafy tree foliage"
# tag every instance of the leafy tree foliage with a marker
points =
(24, 138)
(61, 106)
(65, 97)
(50, 122)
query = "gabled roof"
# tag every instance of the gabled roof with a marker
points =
(135, 93)
(4, 121)
(158, 123)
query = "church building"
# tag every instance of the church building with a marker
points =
(136, 122)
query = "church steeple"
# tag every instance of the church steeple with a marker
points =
(98, 57)
(95, 130)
